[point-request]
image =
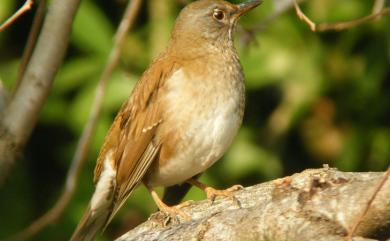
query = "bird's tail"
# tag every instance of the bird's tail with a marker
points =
(90, 225)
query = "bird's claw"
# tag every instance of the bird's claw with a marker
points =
(174, 211)
(213, 193)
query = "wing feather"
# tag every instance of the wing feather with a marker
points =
(132, 137)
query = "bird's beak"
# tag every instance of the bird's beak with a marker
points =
(242, 8)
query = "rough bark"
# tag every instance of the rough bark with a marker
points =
(321, 204)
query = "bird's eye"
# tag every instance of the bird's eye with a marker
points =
(218, 14)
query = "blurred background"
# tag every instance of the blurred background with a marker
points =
(312, 99)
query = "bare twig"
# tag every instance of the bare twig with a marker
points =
(83, 145)
(378, 6)
(349, 24)
(367, 207)
(377, 11)
(31, 41)
(26, 6)
(20, 116)
(303, 17)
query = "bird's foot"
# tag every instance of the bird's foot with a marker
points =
(174, 211)
(213, 193)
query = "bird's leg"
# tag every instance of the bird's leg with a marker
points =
(212, 193)
(172, 211)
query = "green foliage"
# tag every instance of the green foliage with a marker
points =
(312, 98)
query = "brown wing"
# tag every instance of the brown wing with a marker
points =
(131, 137)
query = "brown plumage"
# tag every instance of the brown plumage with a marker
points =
(180, 118)
(132, 149)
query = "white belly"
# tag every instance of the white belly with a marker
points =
(205, 138)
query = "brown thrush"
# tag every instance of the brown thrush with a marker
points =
(180, 118)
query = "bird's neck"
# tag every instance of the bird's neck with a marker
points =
(193, 48)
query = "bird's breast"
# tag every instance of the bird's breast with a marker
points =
(203, 114)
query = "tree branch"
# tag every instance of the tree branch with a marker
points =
(31, 41)
(26, 7)
(353, 23)
(379, 187)
(303, 17)
(378, 6)
(21, 114)
(319, 204)
(84, 143)
(321, 27)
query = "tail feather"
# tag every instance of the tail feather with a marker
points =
(97, 214)
(90, 225)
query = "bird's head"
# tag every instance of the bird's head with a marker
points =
(211, 21)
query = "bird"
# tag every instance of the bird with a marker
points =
(180, 118)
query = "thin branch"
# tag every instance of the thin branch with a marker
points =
(26, 7)
(303, 17)
(31, 41)
(84, 143)
(378, 6)
(321, 27)
(367, 207)
(349, 24)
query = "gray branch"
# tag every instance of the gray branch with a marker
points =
(20, 115)
(318, 204)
